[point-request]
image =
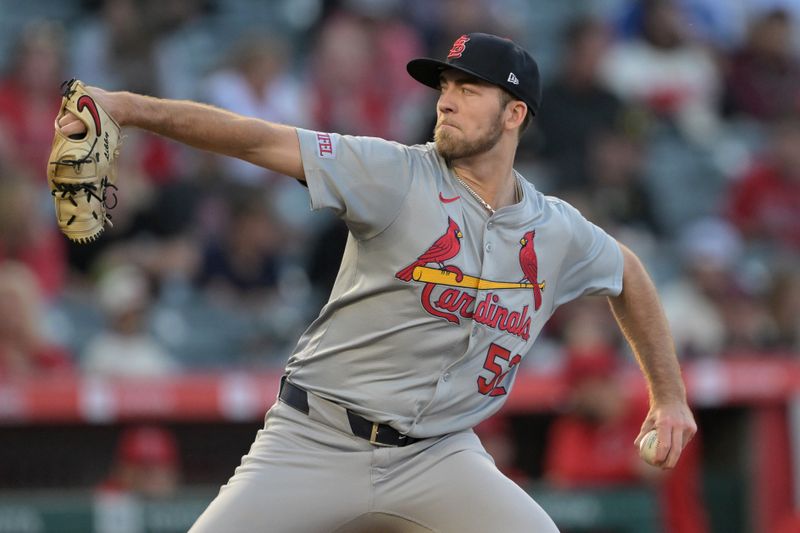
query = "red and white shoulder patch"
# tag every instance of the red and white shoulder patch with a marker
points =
(325, 146)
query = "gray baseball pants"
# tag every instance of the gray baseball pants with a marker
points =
(310, 474)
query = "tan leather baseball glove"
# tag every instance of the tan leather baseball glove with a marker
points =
(81, 172)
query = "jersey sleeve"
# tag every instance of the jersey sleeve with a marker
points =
(364, 180)
(593, 262)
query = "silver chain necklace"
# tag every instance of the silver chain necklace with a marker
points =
(477, 196)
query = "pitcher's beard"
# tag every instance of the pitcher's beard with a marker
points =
(451, 148)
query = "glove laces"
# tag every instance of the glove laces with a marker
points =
(69, 191)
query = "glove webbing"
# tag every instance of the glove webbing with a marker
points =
(70, 190)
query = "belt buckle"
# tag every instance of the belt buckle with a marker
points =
(373, 436)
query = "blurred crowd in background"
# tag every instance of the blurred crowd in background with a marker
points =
(673, 124)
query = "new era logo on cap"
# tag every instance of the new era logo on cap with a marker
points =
(512, 79)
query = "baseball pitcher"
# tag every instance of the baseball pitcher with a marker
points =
(453, 264)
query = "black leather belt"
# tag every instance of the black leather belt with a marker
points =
(377, 434)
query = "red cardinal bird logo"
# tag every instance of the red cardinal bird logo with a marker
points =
(446, 247)
(530, 267)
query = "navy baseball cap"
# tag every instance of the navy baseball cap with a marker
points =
(498, 61)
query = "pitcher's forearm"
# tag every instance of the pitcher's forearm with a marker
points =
(198, 125)
(642, 320)
(206, 127)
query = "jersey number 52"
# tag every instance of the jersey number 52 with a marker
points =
(495, 357)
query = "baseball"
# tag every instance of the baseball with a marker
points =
(648, 446)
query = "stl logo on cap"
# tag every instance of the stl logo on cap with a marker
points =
(458, 47)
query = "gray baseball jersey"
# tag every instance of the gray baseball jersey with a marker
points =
(436, 302)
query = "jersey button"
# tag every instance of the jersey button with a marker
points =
(446, 376)
(490, 225)
(489, 247)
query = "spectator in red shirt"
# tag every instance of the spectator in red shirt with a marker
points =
(591, 446)
(29, 97)
(354, 66)
(146, 463)
(23, 350)
(765, 203)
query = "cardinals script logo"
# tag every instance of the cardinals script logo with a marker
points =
(459, 298)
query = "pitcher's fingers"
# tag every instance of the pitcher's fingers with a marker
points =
(67, 119)
(74, 128)
(687, 436)
(646, 427)
(69, 124)
(676, 448)
(664, 444)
